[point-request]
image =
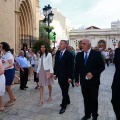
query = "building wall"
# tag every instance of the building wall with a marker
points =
(61, 25)
(95, 35)
(7, 21)
(10, 21)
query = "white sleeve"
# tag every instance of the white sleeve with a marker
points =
(50, 62)
(38, 69)
(9, 56)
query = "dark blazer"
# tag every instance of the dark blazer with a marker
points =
(63, 69)
(95, 65)
(116, 79)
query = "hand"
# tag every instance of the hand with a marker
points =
(69, 80)
(54, 77)
(22, 70)
(51, 75)
(77, 84)
(89, 75)
(37, 75)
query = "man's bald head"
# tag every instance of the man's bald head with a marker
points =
(21, 53)
(86, 44)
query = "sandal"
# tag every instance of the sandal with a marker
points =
(49, 100)
(2, 109)
(13, 99)
(9, 104)
(40, 103)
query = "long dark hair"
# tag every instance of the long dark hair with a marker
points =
(46, 50)
(5, 46)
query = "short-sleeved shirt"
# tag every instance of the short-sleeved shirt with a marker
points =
(22, 61)
(5, 57)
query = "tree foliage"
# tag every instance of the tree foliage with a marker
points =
(41, 41)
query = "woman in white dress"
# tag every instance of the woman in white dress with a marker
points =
(2, 86)
(45, 73)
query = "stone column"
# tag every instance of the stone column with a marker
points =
(17, 24)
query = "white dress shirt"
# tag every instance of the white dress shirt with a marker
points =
(63, 52)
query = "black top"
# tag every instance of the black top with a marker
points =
(116, 79)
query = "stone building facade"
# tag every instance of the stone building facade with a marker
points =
(102, 38)
(62, 26)
(19, 22)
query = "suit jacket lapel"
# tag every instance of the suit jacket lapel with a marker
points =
(83, 59)
(89, 57)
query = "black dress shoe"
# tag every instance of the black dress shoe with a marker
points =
(22, 89)
(85, 118)
(62, 111)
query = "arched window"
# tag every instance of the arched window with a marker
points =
(102, 44)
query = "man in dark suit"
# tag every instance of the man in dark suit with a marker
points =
(63, 70)
(89, 66)
(116, 85)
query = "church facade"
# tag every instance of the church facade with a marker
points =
(19, 22)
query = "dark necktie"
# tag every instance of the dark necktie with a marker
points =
(86, 57)
(60, 56)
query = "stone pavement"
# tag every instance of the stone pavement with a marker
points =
(26, 106)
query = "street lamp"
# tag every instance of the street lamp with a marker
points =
(76, 43)
(114, 41)
(48, 17)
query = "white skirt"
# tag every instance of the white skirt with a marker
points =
(2, 85)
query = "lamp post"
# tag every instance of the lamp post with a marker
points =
(48, 17)
(114, 41)
(76, 43)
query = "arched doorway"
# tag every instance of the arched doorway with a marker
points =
(119, 44)
(80, 44)
(102, 44)
(26, 23)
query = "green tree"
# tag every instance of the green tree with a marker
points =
(42, 31)
(41, 41)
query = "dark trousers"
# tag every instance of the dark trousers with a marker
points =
(90, 95)
(23, 77)
(107, 62)
(116, 103)
(65, 88)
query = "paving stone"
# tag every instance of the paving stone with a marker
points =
(26, 106)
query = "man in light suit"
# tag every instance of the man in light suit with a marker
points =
(89, 66)
(116, 85)
(63, 70)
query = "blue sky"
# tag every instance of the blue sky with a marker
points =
(99, 13)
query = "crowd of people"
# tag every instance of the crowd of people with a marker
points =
(82, 67)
